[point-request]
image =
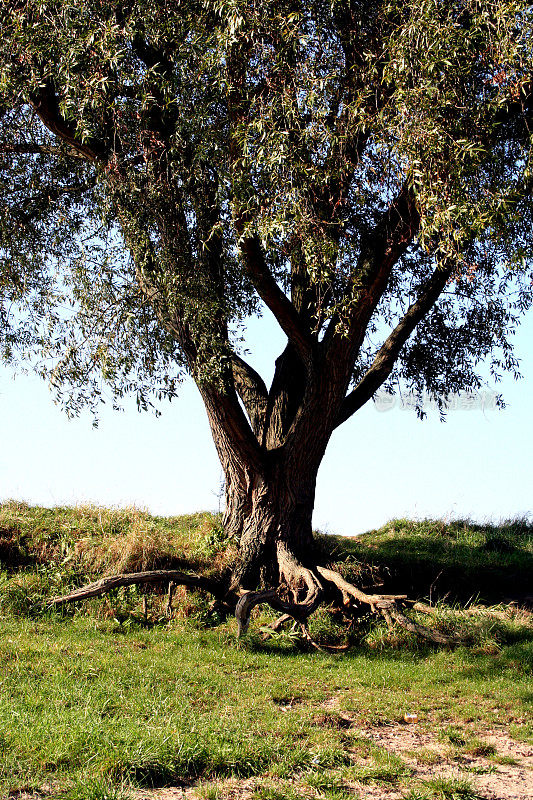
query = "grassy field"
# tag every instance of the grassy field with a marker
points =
(105, 703)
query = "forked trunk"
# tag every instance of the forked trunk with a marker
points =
(270, 465)
(269, 511)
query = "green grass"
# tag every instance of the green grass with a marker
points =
(444, 789)
(44, 552)
(99, 701)
(461, 560)
(81, 699)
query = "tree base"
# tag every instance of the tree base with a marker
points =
(300, 592)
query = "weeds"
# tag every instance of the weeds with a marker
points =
(451, 789)
(96, 789)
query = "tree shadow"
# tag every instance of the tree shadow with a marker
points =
(460, 561)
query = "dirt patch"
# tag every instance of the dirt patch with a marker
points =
(229, 790)
(423, 752)
(285, 703)
(428, 757)
(328, 720)
(170, 793)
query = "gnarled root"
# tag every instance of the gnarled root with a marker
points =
(295, 580)
(106, 585)
(384, 604)
(301, 590)
(275, 626)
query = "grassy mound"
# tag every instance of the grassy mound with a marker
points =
(44, 552)
(49, 551)
(100, 541)
(460, 561)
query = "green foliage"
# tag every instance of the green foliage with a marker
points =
(142, 150)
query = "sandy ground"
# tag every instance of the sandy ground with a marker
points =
(491, 780)
(426, 756)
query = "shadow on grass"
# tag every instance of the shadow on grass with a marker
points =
(517, 657)
(462, 561)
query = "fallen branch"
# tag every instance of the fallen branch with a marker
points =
(422, 630)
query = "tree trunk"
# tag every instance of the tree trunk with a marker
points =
(269, 507)
(274, 524)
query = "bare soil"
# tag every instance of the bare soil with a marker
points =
(425, 754)
(428, 757)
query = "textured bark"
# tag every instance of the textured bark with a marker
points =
(154, 576)
(275, 510)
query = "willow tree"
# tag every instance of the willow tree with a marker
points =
(358, 170)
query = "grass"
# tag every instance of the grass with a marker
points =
(91, 540)
(445, 789)
(459, 560)
(100, 701)
(82, 699)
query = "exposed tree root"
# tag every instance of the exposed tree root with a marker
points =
(248, 601)
(295, 579)
(384, 604)
(106, 585)
(298, 595)
(306, 636)
(323, 648)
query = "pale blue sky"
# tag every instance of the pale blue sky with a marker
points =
(378, 466)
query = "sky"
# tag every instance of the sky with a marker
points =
(380, 465)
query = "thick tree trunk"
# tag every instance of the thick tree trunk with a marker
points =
(269, 507)
(274, 524)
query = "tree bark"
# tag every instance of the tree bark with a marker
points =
(271, 518)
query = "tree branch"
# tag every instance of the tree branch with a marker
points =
(252, 391)
(380, 251)
(389, 351)
(46, 105)
(226, 417)
(36, 149)
(273, 297)
(31, 208)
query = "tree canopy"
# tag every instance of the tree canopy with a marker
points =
(360, 169)
(297, 130)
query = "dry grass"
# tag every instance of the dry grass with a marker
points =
(101, 541)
